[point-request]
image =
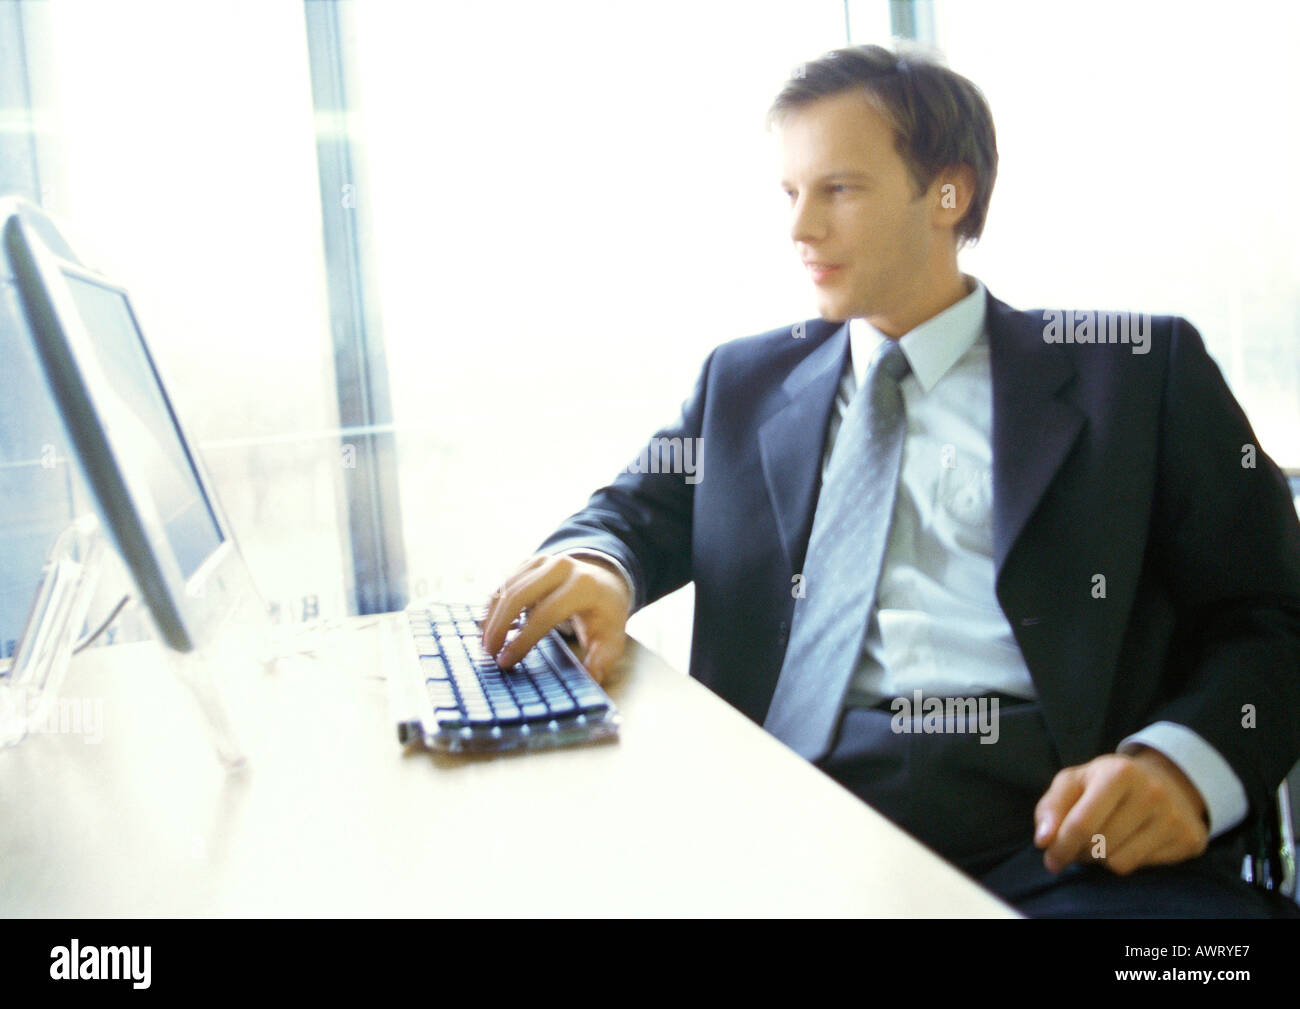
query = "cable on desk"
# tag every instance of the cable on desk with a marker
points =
(86, 641)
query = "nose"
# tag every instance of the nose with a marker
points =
(807, 221)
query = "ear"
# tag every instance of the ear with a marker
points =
(951, 192)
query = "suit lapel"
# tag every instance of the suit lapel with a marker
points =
(791, 442)
(1034, 427)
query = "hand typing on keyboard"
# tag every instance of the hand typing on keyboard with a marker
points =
(547, 590)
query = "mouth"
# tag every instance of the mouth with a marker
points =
(822, 272)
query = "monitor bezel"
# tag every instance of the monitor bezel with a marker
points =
(187, 611)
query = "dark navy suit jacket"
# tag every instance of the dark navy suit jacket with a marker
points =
(1105, 461)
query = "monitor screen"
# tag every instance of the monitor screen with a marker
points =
(143, 419)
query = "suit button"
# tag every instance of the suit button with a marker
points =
(1030, 621)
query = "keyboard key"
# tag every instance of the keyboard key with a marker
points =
(527, 695)
(471, 692)
(553, 698)
(442, 695)
(561, 705)
(572, 678)
(460, 666)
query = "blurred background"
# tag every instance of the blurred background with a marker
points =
(423, 276)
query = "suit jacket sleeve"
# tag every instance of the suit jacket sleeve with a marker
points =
(1228, 541)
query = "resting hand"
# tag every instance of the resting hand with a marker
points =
(1143, 806)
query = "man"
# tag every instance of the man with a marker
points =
(1064, 519)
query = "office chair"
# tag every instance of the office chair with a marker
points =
(1271, 861)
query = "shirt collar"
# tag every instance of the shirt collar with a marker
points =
(932, 347)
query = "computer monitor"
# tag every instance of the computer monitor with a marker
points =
(146, 476)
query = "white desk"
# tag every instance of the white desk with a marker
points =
(694, 811)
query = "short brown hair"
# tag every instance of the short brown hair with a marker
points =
(940, 118)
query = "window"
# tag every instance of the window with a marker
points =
(572, 204)
(567, 206)
(189, 168)
(1145, 165)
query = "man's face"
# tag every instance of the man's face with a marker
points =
(854, 210)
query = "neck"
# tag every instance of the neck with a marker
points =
(929, 298)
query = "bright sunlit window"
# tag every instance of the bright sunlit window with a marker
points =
(189, 167)
(1146, 154)
(573, 204)
(567, 206)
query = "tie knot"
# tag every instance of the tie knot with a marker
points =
(891, 360)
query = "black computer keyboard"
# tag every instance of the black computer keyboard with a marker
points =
(547, 699)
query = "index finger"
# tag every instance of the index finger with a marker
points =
(537, 624)
(522, 594)
(1101, 795)
(506, 603)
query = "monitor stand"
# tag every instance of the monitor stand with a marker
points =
(197, 670)
(29, 689)
(31, 686)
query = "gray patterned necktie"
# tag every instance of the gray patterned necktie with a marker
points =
(845, 552)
